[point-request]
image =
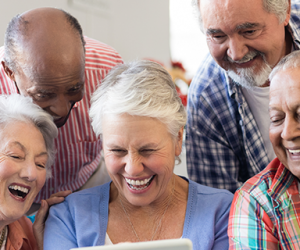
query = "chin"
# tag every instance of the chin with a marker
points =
(248, 78)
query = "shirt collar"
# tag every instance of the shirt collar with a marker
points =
(16, 235)
(282, 182)
(293, 29)
(234, 90)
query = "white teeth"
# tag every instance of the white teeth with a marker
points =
(244, 61)
(296, 151)
(138, 182)
(22, 189)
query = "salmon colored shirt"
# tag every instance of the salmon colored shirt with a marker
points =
(20, 235)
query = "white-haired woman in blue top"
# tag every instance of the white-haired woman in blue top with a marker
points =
(140, 117)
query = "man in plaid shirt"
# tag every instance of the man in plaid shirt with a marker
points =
(265, 212)
(227, 129)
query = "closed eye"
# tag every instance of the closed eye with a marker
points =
(276, 120)
(41, 165)
(119, 152)
(146, 151)
(16, 157)
(218, 38)
(76, 88)
(251, 34)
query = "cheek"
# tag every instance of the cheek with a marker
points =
(113, 164)
(79, 96)
(217, 51)
(41, 179)
(7, 169)
(275, 135)
(161, 164)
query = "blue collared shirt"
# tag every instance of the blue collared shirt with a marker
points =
(224, 146)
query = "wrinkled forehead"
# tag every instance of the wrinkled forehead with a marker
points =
(217, 13)
(44, 66)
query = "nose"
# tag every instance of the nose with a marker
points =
(29, 171)
(133, 165)
(291, 129)
(61, 106)
(237, 49)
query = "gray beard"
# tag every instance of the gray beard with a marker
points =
(245, 76)
(248, 79)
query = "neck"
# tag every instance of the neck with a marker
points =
(288, 43)
(2, 225)
(155, 216)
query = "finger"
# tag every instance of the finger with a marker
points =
(54, 200)
(61, 193)
(41, 214)
(39, 223)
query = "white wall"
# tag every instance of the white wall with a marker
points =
(135, 28)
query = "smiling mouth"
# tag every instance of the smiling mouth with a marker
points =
(18, 191)
(139, 184)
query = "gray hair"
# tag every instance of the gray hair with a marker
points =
(277, 7)
(17, 27)
(16, 107)
(141, 88)
(290, 61)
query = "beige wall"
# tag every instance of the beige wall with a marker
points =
(135, 28)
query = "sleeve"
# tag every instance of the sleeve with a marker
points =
(211, 160)
(59, 229)
(249, 225)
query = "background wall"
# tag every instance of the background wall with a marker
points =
(135, 28)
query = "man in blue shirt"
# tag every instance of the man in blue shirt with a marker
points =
(228, 121)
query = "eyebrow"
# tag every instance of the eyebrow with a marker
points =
(149, 145)
(238, 27)
(213, 31)
(247, 26)
(18, 144)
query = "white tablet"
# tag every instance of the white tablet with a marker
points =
(173, 244)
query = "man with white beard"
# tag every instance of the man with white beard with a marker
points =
(227, 129)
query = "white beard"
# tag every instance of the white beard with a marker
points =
(246, 77)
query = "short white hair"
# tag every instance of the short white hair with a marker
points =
(290, 61)
(141, 88)
(16, 107)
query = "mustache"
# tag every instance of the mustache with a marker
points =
(249, 56)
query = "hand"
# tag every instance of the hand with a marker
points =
(42, 214)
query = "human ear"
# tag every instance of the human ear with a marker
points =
(179, 139)
(8, 71)
(288, 14)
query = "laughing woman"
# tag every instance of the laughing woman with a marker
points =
(140, 117)
(26, 154)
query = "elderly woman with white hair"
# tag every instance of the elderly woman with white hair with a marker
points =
(141, 119)
(26, 153)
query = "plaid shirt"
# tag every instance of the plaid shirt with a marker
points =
(224, 145)
(265, 212)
